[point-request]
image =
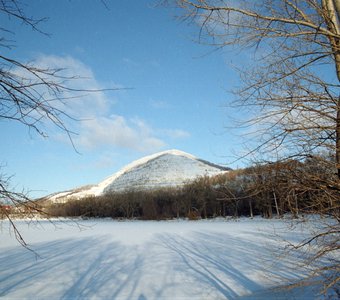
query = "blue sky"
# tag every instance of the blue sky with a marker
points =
(179, 90)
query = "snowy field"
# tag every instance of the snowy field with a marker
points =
(105, 259)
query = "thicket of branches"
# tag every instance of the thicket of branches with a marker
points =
(267, 190)
(291, 93)
(290, 89)
(31, 95)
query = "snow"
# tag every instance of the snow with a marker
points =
(164, 169)
(179, 259)
(167, 169)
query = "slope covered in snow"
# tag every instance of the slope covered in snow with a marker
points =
(164, 169)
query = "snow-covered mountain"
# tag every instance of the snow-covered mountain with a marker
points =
(164, 169)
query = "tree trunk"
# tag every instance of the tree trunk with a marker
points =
(337, 7)
(270, 209)
(337, 143)
(205, 211)
(251, 209)
(332, 12)
(236, 209)
(296, 204)
(276, 206)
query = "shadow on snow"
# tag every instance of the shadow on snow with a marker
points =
(205, 266)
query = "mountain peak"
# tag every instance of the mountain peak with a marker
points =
(170, 168)
(175, 152)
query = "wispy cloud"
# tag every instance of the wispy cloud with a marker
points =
(117, 131)
(159, 104)
(129, 62)
(176, 133)
(104, 161)
(97, 125)
(80, 104)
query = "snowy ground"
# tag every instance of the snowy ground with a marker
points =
(105, 259)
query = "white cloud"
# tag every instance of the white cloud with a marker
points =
(130, 63)
(97, 126)
(104, 161)
(160, 104)
(117, 131)
(80, 104)
(176, 133)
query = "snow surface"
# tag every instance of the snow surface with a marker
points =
(167, 169)
(164, 169)
(105, 259)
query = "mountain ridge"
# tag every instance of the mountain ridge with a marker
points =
(168, 168)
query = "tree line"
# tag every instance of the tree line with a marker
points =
(268, 190)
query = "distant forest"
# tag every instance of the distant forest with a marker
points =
(270, 189)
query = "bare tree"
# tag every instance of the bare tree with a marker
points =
(291, 89)
(31, 95)
(28, 94)
(293, 39)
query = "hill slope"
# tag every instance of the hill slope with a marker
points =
(164, 169)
